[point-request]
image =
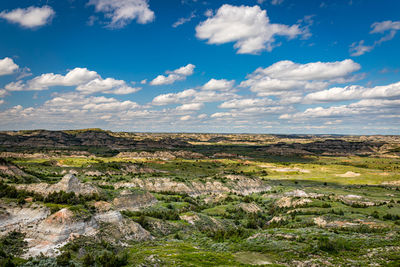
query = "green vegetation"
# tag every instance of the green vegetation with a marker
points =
(236, 206)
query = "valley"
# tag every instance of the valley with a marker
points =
(98, 198)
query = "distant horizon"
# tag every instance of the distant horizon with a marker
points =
(220, 133)
(256, 66)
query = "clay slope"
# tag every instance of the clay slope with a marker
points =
(233, 183)
(69, 183)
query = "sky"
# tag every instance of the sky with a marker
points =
(250, 66)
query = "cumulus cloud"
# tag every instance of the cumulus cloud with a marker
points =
(7, 66)
(359, 48)
(1, 101)
(74, 77)
(86, 81)
(363, 107)
(31, 17)
(192, 96)
(190, 107)
(354, 92)
(246, 103)
(221, 114)
(185, 118)
(70, 108)
(213, 96)
(283, 76)
(311, 71)
(248, 27)
(173, 76)
(108, 85)
(173, 98)
(122, 12)
(218, 85)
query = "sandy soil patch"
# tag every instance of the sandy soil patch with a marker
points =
(266, 166)
(392, 183)
(348, 174)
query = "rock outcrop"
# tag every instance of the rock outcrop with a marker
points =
(164, 155)
(69, 183)
(133, 201)
(9, 169)
(234, 184)
(46, 233)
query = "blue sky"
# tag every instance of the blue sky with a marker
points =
(272, 66)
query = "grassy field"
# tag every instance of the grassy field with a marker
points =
(341, 211)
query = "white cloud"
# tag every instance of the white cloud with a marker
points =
(74, 77)
(192, 96)
(185, 70)
(30, 17)
(185, 118)
(286, 75)
(190, 107)
(108, 85)
(122, 12)
(15, 86)
(289, 70)
(221, 114)
(202, 116)
(212, 96)
(355, 92)
(1, 101)
(86, 81)
(380, 27)
(209, 13)
(7, 66)
(359, 48)
(248, 27)
(218, 85)
(173, 76)
(69, 109)
(182, 21)
(366, 107)
(173, 98)
(247, 103)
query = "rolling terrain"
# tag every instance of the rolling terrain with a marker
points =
(100, 198)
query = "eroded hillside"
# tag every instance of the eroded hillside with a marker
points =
(90, 197)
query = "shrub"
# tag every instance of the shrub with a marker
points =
(233, 233)
(13, 244)
(331, 245)
(375, 214)
(64, 258)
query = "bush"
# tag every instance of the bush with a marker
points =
(392, 217)
(13, 244)
(70, 198)
(331, 245)
(11, 192)
(108, 259)
(64, 258)
(375, 214)
(233, 233)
